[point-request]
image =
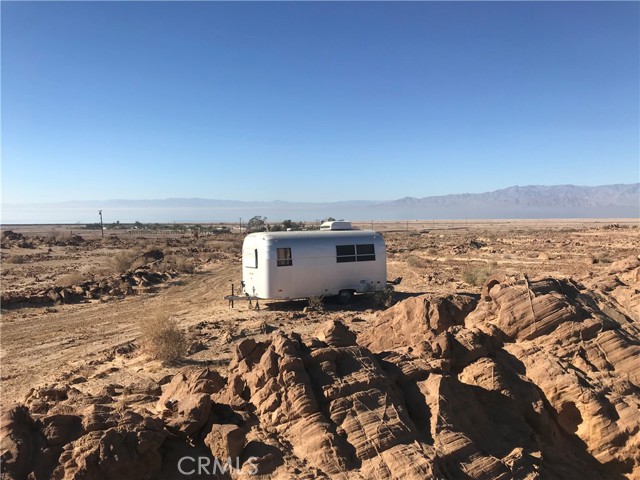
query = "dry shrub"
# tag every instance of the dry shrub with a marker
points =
(383, 298)
(477, 275)
(124, 260)
(53, 236)
(180, 263)
(58, 236)
(15, 259)
(227, 246)
(73, 278)
(602, 257)
(316, 303)
(417, 262)
(161, 338)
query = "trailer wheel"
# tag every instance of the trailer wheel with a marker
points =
(345, 296)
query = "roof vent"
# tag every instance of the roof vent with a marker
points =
(336, 226)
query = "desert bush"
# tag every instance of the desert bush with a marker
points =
(58, 236)
(477, 275)
(15, 259)
(53, 236)
(602, 257)
(161, 338)
(380, 298)
(180, 263)
(123, 260)
(383, 298)
(228, 246)
(316, 303)
(73, 278)
(417, 262)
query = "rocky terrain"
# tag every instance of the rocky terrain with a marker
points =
(526, 375)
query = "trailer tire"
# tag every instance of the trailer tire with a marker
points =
(345, 296)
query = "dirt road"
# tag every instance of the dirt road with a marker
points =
(37, 347)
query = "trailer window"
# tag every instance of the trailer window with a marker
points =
(284, 257)
(365, 252)
(355, 253)
(250, 258)
(345, 253)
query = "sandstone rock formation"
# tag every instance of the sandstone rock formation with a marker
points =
(140, 280)
(534, 378)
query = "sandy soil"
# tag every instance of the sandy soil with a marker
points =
(44, 344)
(511, 351)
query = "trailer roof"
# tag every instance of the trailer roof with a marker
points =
(315, 234)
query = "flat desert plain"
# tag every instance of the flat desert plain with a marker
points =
(510, 349)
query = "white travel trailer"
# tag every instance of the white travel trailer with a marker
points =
(292, 265)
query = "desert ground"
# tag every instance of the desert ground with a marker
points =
(393, 387)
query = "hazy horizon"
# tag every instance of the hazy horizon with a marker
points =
(532, 201)
(335, 201)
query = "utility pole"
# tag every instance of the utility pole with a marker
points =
(101, 227)
(240, 229)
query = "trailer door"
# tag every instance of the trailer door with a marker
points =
(284, 271)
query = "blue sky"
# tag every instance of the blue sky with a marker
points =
(315, 101)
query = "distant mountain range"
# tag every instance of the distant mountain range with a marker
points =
(564, 196)
(533, 201)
